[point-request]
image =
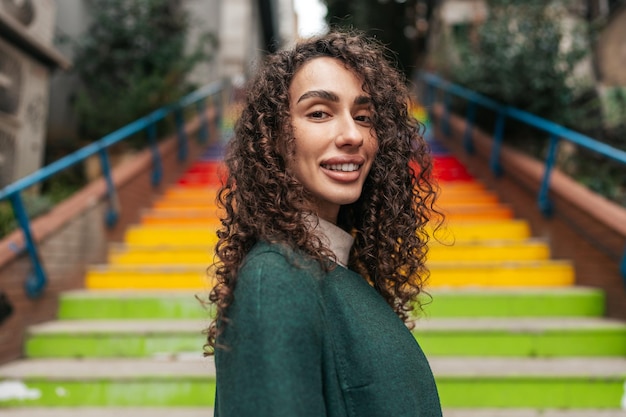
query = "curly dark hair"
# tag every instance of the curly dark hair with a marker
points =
(263, 200)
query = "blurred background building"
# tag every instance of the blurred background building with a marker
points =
(27, 58)
(37, 37)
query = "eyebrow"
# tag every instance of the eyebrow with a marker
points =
(330, 96)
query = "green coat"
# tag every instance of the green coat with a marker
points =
(303, 343)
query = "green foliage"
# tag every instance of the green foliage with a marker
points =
(518, 57)
(133, 61)
(526, 55)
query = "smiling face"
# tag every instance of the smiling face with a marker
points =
(335, 143)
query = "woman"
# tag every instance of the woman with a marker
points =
(323, 243)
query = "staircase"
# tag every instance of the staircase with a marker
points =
(506, 332)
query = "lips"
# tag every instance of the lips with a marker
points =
(343, 169)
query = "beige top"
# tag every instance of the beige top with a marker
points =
(337, 240)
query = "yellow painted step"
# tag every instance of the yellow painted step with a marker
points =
(203, 254)
(157, 235)
(497, 274)
(453, 233)
(502, 274)
(458, 232)
(490, 251)
(196, 218)
(161, 255)
(154, 278)
(182, 211)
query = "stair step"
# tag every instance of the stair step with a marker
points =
(483, 231)
(473, 213)
(512, 302)
(531, 249)
(515, 302)
(160, 255)
(112, 411)
(543, 337)
(486, 251)
(449, 337)
(208, 412)
(532, 413)
(170, 304)
(530, 382)
(209, 205)
(157, 235)
(501, 274)
(178, 277)
(112, 382)
(463, 382)
(496, 230)
(206, 215)
(469, 274)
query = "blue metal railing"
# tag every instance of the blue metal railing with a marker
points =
(556, 132)
(37, 280)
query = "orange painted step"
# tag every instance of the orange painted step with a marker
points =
(468, 214)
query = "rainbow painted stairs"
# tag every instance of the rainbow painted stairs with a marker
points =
(507, 332)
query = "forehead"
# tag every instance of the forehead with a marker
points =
(326, 74)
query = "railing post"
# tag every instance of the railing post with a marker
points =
(429, 101)
(112, 211)
(36, 280)
(622, 267)
(494, 160)
(445, 120)
(157, 166)
(468, 143)
(543, 200)
(182, 135)
(203, 131)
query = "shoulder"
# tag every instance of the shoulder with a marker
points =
(280, 262)
(275, 276)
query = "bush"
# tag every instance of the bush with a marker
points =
(133, 61)
(519, 58)
(527, 55)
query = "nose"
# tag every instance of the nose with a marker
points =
(350, 133)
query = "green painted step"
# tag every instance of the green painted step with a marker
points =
(438, 337)
(111, 411)
(462, 382)
(451, 412)
(115, 382)
(530, 382)
(208, 412)
(525, 337)
(516, 302)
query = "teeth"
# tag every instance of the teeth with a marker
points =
(342, 167)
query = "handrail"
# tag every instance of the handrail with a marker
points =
(37, 281)
(556, 132)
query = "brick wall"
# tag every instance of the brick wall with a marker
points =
(74, 234)
(585, 228)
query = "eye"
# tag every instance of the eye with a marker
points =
(364, 119)
(318, 115)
